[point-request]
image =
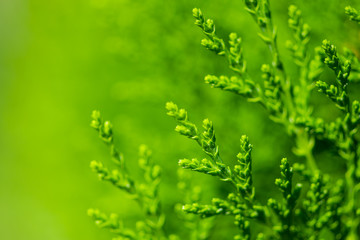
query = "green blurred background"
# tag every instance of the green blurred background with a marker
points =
(61, 59)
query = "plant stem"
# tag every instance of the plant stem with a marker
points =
(310, 160)
(278, 65)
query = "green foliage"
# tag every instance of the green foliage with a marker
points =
(318, 207)
(285, 211)
(146, 194)
(339, 93)
(354, 15)
(288, 100)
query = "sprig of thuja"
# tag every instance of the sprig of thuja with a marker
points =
(328, 204)
(145, 193)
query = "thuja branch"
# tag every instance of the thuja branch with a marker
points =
(285, 211)
(242, 203)
(288, 104)
(145, 193)
(324, 206)
(241, 84)
(120, 177)
(284, 102)
(343, 131)
(260, 11)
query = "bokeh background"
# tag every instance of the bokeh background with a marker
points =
(61, 59)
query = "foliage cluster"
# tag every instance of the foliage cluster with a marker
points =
(313, 205)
